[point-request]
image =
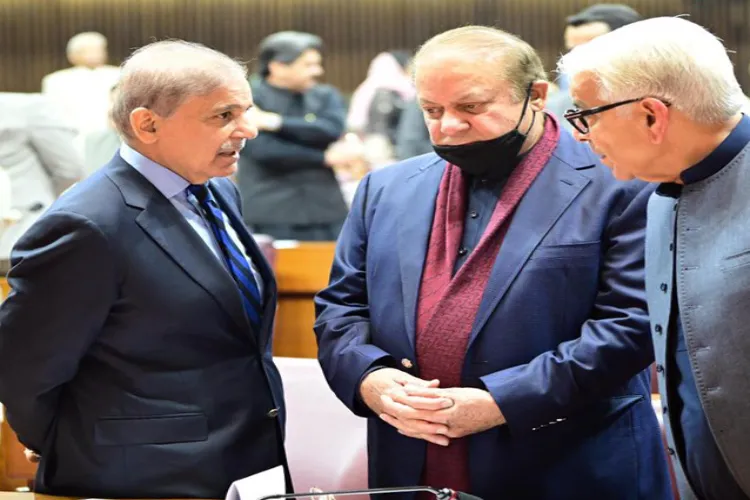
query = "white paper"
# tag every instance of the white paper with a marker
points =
(270, 482)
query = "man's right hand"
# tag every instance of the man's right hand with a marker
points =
(375, 390)
(31, 456)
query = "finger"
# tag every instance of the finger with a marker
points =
(405, 379)
(414, 426)
(432, 438)
(435, 402)
(426, 392)
(404, 412)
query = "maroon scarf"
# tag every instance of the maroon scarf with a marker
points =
(448, 303)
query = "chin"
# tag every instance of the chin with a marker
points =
(622, 176)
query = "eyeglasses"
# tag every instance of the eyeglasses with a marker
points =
(577, 117)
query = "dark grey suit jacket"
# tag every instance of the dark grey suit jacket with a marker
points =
(126, 358)
(712, 265)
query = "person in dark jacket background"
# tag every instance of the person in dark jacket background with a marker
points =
(286, 175)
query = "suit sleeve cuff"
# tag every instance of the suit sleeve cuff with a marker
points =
(523, 404)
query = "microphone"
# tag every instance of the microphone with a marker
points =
(442, 494)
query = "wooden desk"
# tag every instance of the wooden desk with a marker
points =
(4, 266)
(16, 471)
(302, 270)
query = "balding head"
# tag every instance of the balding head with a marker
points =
(500, 55)
(185, 106)
(162, 75)
(87, 49)
(477, 83)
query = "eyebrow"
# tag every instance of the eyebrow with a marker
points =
(230, 107)
(578, 104)
(474, 97)
(464, 99)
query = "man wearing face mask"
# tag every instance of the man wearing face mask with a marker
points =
(486, 309)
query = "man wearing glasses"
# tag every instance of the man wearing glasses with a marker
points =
(658, 100)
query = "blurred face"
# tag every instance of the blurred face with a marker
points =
(578, 35)
(462, 103)
(300, 75)
(629, 139)
(203, 137)
(91, 55)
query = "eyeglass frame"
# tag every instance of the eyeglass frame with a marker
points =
(574, 115)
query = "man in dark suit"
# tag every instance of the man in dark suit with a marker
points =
(486, 308)
(286, 175)
(135, 349)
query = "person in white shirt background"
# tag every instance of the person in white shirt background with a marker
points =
(83, 90)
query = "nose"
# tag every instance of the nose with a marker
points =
(246, 127)
(451, 125)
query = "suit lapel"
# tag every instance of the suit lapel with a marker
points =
(420, 193)
(166, 226)
(546, 200)
(259, 260)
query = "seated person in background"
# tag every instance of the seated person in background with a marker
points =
(486, 308)
(37, 154)
(286, 177)
(135, 345)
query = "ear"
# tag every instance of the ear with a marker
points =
(274, 67)
(538, 99)
(143, 124)
(656, 115)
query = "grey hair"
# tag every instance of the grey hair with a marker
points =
(161, 75)
(83, 40)
(515, 60)
(667, 57)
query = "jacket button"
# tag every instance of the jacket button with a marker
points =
(657, 328)
(663, 287)
(462, 251)
(273, 413)
(406, 363)
(659, 368)
(671, 451)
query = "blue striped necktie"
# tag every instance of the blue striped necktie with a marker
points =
(238, 265)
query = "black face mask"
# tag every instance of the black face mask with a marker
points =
(493, 158)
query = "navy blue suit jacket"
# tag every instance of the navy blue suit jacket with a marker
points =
(126, 358)
(561, 339)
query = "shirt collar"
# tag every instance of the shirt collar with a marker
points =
(165, 180)
(721, 156)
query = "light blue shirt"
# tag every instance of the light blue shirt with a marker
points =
(174, 188)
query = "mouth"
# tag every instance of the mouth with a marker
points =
(235, 155)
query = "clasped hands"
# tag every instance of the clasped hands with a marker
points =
(421, 409)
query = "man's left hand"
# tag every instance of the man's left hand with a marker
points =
(473, 410)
